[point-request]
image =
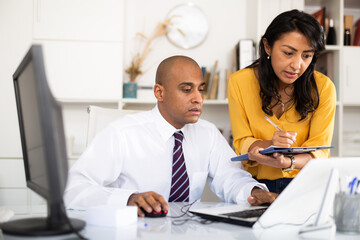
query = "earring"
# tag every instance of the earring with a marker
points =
(268, 57)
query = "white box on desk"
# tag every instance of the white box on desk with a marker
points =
(111, 216)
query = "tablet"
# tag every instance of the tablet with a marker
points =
(272, 149)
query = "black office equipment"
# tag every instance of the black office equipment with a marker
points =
(43, 147)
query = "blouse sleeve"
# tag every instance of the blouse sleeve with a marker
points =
(322, 120)
(242, 134)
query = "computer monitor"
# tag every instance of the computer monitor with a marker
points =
(43, 148)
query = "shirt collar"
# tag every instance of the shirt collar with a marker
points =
(165, 129)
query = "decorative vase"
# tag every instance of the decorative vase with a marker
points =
(130, 90)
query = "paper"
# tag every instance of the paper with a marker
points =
(272, 149)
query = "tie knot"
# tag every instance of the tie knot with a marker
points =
(179, 136)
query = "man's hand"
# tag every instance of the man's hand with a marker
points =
(259, 196)
(149, 201)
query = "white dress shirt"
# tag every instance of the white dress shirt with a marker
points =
(134, 154)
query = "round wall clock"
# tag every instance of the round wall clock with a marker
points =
(188, 27)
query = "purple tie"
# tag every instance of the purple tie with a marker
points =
(179, 191)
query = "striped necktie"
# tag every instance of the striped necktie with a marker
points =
(179, 191)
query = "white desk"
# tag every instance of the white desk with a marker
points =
(163, 228)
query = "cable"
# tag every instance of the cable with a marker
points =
(73, 230)
(292, 224)
(185, 212)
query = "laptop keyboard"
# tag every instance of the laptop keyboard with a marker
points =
(247, 213)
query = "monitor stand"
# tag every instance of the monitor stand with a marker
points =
(324, 226)
(41, 227)
(56, 223)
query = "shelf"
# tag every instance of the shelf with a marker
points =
(73, 157)
(314, 3)
(332, 48)
(351, 4)
(137, 101)
(74, 100)
(351, 104)
(146, 102)
(216, 102)
(351, 47)
(81, 103)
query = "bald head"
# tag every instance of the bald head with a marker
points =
(165, 69)
(179, 90)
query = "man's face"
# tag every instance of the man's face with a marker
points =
(182, 94)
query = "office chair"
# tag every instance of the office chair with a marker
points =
(100, 117)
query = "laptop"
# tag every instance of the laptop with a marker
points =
(243, 215)
(307, 196)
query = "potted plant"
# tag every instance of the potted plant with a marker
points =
(135, 68)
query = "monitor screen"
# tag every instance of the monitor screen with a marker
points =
(43, 147)
(33, 146)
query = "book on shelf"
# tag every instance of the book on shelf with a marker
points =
(206, 80)
(216, 82)
(210, 84)
(348, 24)
(325, 64)
(356, 41)
(244, 53)
(320, 16)
(326, 26)
(203, 70)
(214, 87)
(221, 85)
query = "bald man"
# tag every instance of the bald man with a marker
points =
(130, 162)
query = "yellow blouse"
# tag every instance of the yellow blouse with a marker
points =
(249, 125)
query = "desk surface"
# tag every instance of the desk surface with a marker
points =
(173, 228)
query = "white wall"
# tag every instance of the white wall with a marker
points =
(15, 37)
(227, 24)
(23, 22)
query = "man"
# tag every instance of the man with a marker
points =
(130, 161)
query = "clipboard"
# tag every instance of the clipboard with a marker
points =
(273, 149)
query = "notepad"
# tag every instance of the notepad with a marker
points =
(273, 149)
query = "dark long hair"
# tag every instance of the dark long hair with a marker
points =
(306, 94)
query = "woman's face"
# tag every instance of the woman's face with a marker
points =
(290, 56)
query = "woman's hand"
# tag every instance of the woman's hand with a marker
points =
(283, 139)
(276, 160)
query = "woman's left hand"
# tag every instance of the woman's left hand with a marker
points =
(277, 160)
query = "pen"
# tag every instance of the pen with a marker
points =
(352, 185)
(357, 189)
(272, 123)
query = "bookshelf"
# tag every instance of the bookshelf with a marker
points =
(340, 62)
(214, 110)
(135, 101)
(343, 65)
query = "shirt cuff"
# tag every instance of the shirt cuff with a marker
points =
(245, 192)
(247, 143)
(120, 197)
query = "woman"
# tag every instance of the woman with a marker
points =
(283, 86)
